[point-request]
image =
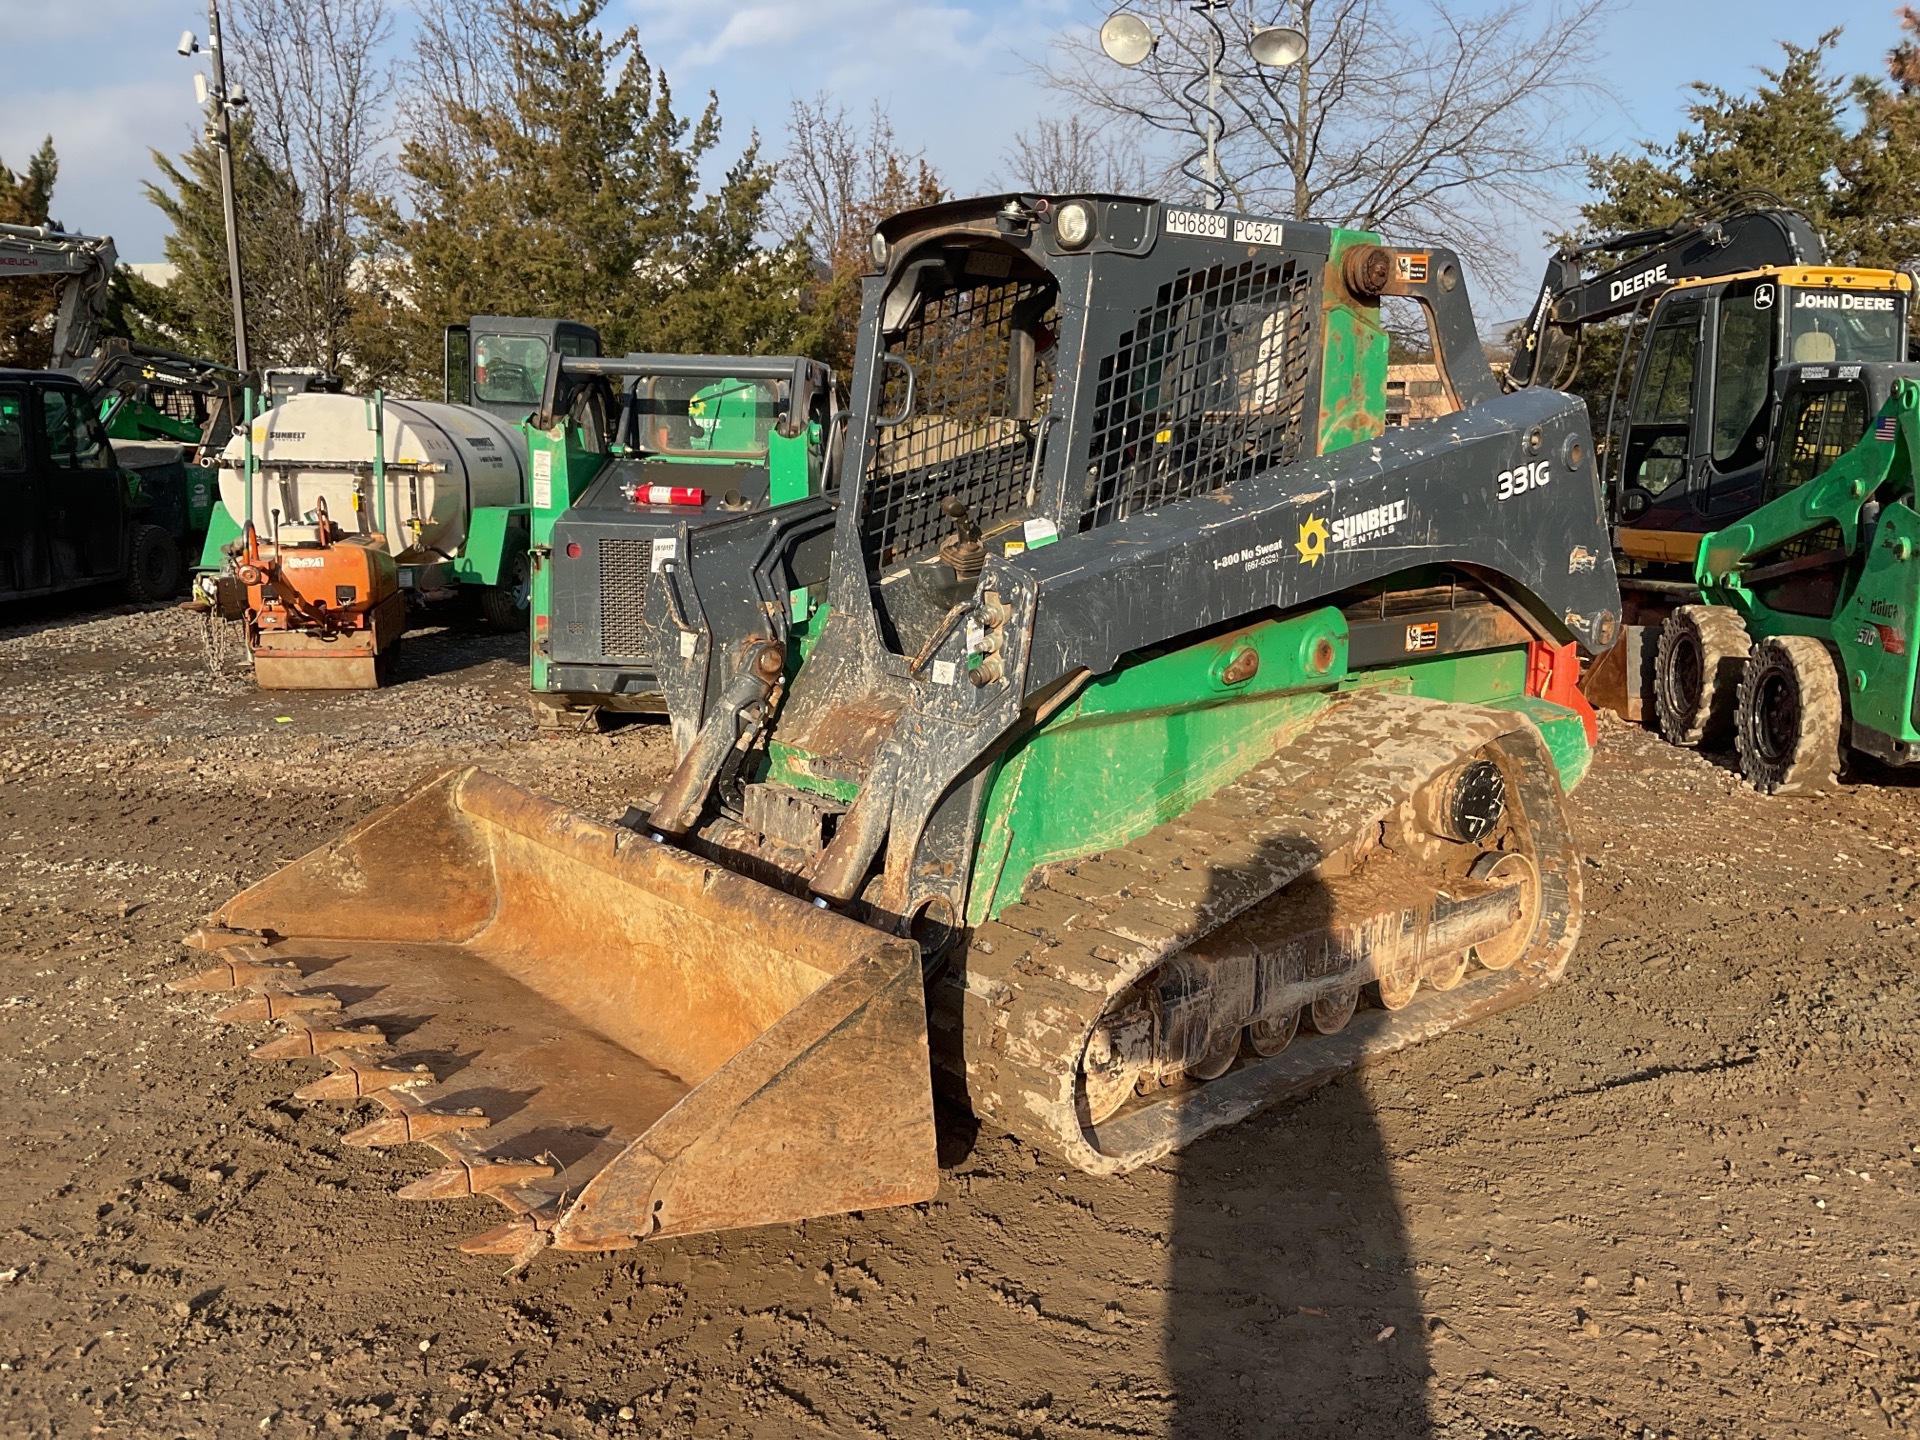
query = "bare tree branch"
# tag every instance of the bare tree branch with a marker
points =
(1057, 157)
(1434, 121)
(319, 95)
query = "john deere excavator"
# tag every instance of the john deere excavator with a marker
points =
(1722, 310)
(1164, 703)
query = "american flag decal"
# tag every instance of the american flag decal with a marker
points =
(1887, 427)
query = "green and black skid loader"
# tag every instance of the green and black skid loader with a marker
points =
(1163, 705)
(1803, 650)
(630, 456)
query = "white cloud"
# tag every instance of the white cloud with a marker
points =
(103, 79)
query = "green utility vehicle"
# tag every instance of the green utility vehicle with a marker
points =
(72, 516)
(691, 443)
(1805, 648)
(168, 416)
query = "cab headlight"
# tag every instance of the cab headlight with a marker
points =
(878, 248)
(1073, 224)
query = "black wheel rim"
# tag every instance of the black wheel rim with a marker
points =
(1777, 718)
(1685, 676)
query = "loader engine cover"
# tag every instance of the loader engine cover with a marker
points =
(347, 579)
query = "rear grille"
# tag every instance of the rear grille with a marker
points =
(626, 569)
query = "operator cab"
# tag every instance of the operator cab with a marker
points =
(498, 363)
(1696, 431)
(68, 514)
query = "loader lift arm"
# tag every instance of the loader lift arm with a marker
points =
(1756, 232)
(86, 264)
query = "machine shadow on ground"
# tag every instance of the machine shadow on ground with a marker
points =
(452, 644)
(21, 618)
(1289, 1305)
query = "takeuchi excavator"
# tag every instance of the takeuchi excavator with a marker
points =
(1725, 312)
(1164, 707)
(84, 266)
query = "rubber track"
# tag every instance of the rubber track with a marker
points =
(1019, 1008)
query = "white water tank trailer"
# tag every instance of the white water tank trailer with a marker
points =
(441, 463)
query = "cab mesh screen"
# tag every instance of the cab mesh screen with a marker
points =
(970, 435)
(1208, 387)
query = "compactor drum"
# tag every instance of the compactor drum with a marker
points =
(1165, 706)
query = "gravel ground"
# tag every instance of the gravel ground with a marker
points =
(1676, 1197)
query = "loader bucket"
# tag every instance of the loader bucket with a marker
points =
(620, 1040)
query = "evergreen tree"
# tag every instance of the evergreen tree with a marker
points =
(1844, 153)
(1786, 138)
(571, 188)
(1876, 210)
(27, 305)
(193, 312)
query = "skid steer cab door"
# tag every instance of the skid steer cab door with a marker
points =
(1705, 397)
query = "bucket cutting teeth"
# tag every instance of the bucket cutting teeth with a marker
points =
(516, 1237)
(354, 1082)
(215, 937)
(303, 1042)
(234, 975)
(410, 1126)
(274, 1006)
(476, 1177)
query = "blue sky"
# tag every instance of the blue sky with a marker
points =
(102, 77)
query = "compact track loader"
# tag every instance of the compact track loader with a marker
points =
(631, 455)
(1164, 704)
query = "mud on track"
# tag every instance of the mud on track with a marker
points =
(1677, 1197)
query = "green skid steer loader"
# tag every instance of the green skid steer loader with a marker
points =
(1164, 705)
(630, 457)
(1804, 650)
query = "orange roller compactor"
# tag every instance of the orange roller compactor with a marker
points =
(321, 606)
(321, 612)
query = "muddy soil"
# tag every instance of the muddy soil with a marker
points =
(1675, 1197)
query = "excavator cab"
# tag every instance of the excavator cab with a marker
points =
(1694, 439)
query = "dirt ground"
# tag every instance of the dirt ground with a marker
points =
(1676, 1197)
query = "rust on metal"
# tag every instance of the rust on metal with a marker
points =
(515, 1237)
(214, 937)
(356, 1082)
(413, 1126)
(274, 1006)
(662, 1046)
(303, 1042)
(480, 1177)
(233, 975)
